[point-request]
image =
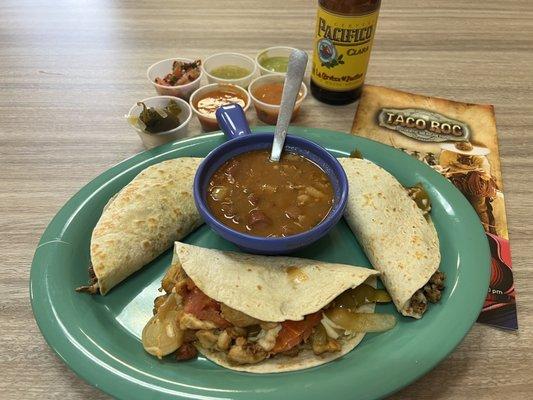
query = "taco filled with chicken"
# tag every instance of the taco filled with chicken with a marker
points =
(262, 314)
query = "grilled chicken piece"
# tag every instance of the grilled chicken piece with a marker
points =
(331, 346)
(236, 332)
(267, 337)
(224, 341)
(207, 339)
(244, 352)
(189, 321)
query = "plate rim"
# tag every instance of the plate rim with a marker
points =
(46, 243)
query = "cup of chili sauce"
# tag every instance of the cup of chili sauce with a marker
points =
(265, 92)
(268, 207)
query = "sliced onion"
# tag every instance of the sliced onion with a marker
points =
(162, 334)
(330, 327)
(361, 322)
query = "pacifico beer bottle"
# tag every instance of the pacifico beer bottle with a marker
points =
(343, 41)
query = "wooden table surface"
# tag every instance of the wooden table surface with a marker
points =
(70, 70)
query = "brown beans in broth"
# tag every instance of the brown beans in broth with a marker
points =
(251, 194)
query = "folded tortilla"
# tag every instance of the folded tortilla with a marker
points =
(398, 240)
(273, 289)
(143, 220)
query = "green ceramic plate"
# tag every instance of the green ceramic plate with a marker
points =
(98, 337)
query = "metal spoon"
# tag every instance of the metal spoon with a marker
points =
(293, 83)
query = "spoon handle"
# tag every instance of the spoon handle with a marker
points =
(293, 83)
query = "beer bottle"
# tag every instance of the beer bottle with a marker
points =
(343, 41)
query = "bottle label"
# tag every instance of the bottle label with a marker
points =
(342, 49)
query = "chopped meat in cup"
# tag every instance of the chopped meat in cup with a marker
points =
(182, 73)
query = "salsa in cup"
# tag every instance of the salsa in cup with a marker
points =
(234, 68)
(206, 100)
(273, 60)
(266, 92)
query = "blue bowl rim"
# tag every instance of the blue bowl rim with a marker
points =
(321, 228)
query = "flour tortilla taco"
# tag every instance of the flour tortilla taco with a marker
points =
(393, 226)
(262, 314)
(142, 221)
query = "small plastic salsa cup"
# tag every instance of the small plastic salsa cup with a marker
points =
(266, 112)
(271, 59)
(209, 122)
(219, 60)
(161, 69)
(151, 140)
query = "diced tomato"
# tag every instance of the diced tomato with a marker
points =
(293, 333)
(203, 307)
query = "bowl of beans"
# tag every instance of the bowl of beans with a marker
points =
(268, 207)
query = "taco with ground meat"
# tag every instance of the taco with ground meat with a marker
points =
(142, 221)
(262, 314)
(394, 228)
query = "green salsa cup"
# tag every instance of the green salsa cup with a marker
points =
(273, 60)
(228, 62)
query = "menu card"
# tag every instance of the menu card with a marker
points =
(460, 141)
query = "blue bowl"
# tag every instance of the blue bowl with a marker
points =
(233, 123)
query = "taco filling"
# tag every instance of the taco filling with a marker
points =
(432, 291)
(186, 321)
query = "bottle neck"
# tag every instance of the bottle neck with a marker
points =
(350, 7)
